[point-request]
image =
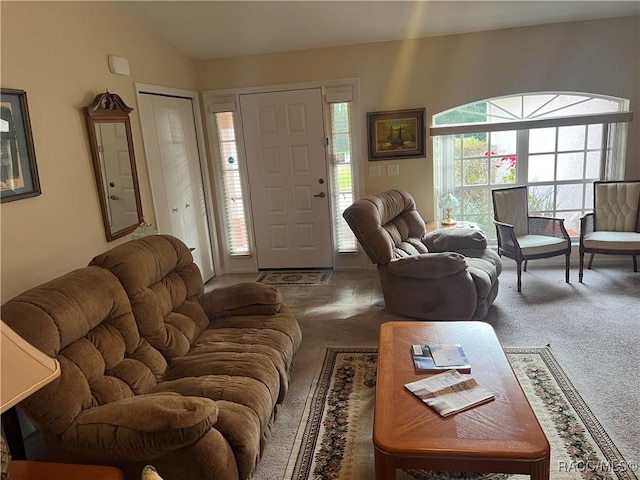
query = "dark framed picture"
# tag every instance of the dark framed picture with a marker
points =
(396, 134)
(18, 169)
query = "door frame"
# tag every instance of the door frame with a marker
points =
(142, 88)
(232, 96)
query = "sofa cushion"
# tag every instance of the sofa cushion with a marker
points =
(245, 412)
(164, 287)
(84, 320)
(540, 244)
(277, 337)
(246, 298)
(281, 332)
(233, 364)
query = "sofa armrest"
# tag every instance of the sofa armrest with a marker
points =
(141, 427)
(429, 266)
(247, 298)
(454, 239)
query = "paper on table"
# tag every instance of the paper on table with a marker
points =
(446, 355)
(449, 392)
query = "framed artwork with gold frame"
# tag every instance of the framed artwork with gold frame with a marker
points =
(396, 134)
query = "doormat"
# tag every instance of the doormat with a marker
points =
(334, 439)
(301, 278)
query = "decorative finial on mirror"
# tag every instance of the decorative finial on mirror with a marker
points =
(109, 102)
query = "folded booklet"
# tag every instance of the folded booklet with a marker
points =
(450, 392)
(440, 357)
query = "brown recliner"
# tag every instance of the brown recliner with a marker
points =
(449, 274)
(153, 370)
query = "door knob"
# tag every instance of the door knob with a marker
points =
(174, 209)
(114, 197)
(321, 195)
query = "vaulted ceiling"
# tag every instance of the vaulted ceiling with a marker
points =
(215, 29)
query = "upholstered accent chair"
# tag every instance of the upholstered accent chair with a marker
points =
(449, 274)
(522, 237)
(614, 225)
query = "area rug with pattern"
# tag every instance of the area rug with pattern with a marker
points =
(295, 277)
(334, 440)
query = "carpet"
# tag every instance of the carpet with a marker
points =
(334, 437)
(295, 277)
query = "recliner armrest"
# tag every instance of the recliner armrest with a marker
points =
(141, 427)
(247, 298)
(430, 266)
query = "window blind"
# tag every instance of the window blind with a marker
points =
(340, 150)
(234, 209)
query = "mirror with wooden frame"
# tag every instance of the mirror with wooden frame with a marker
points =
(114, 164)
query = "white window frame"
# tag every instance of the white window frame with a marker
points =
(226, 102)
(612, 147)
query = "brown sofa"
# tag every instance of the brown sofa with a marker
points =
(154, 370)
(449, 274)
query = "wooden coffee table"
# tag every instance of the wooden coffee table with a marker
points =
(23, 470)
(502, 436)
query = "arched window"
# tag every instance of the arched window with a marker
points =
(556, 143)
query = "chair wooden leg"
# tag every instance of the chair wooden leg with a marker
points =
(635, 264)
(519, 269)
(580, 272)
(525, 265)
(591, 261)
(566, 275)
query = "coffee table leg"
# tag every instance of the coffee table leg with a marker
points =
(386, 466)
(540, 470)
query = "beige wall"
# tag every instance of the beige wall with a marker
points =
(444, 72)
(57, 52)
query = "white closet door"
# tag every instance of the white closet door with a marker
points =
(173, 159)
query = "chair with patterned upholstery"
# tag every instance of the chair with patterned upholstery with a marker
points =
(614, 225)
(522, 237)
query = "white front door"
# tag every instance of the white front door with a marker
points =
(168, 128)
(287, 168)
